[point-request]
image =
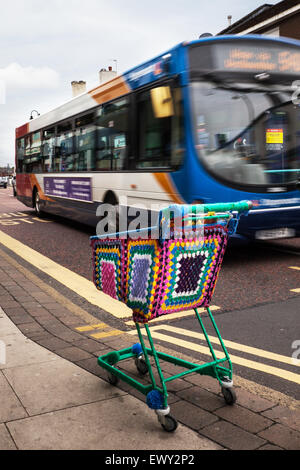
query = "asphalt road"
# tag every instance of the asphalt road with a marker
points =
(257, 307)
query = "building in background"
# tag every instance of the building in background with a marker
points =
(281, 19)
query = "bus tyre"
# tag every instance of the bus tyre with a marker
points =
(37, 204)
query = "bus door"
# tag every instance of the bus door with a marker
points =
(276, 131)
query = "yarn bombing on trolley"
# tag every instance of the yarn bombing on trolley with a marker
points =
(154, 277)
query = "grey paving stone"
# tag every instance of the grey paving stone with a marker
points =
(192, 415)
(54, 385)
(10, 406)
(73, 354)
(282, 436)
(285, 416)
(122, 423)
(252, 402)
(206, 400)
(21, 351)
(6, 442)
(244, 418)
(232, 437)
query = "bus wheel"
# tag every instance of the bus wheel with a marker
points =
(37, 204)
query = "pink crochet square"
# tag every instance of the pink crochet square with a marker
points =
(109, 279)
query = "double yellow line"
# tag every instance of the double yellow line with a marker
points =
(158, 333)
(296, 268)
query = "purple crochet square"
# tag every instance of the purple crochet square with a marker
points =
(140, 278)
(190, 271)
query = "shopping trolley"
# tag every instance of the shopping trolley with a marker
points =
(172, 267)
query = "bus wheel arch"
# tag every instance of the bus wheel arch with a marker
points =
(111, 199)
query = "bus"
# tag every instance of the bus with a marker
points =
(212, 120)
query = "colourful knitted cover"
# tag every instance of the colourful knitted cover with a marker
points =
(109, 267)
(190, 269)
(154, 278)
(142, 280)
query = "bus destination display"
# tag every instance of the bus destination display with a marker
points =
(283, 60)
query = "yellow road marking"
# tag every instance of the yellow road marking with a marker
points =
(297, 291)
(43, 221)
(232, 345)
(83, 329)
(7, 215)
(284, 374)
(176, 316)
(68, 278)
(107, 334)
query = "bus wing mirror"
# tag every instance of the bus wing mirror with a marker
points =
(162, 102)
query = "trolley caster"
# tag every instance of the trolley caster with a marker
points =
(228, 391)
(113, 379)
(229, 395)
(141, 366)
(168, 423)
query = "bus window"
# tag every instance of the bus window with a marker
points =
(33, 161)
(20, 155)
(36, 153)
(85, 144)
(161, 143)
(112, 136)
(49, 146)
(64, 158)
(246, 137)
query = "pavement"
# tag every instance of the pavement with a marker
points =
(55, 396)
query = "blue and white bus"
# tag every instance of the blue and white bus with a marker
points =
(213, 120)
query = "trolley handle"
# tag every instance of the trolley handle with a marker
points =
(204, 213)
(240, 207)
(199, 210)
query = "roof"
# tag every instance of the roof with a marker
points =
(259, 15)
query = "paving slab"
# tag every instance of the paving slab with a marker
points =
(121, 423)
(22, 351)
(203, 398)
(232, 437)
(6, 326)
(6, 442)
(54, 385)
(282, 436)
(192, 415)
(285, 416)
(244, 418)
(11, 407)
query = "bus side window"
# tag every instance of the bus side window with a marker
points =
(159, 114)
(49, 146)
(64, 155)
(33, 161)
(85, 143)
(112, 136)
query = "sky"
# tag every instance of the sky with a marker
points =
(46, 45)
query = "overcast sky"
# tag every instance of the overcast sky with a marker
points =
(46, 45)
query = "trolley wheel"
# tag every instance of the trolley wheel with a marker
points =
(169, 424)
(229, 395)
(113, 379)
(141, 366)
